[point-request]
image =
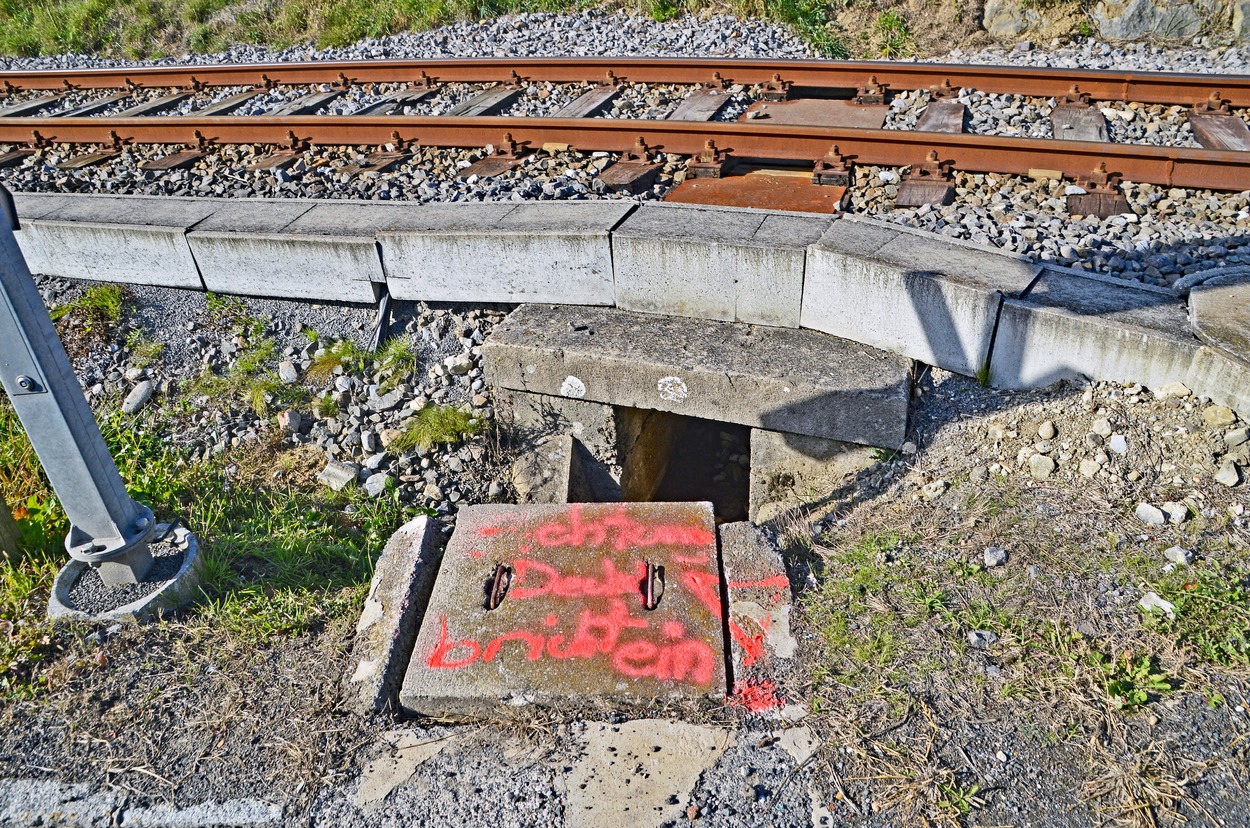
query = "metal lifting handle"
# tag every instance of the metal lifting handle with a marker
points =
(107, 528)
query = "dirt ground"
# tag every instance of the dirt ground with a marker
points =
(940, 690)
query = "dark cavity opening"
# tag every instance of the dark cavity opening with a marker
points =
(670, 457)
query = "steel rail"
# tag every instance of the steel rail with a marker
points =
(1180, 167)
(1102, 85)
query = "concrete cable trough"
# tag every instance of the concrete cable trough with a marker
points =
(969, 309)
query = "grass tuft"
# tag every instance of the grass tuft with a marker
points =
(436, 424)
(98, 304)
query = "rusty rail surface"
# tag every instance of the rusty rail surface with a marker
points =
(1101, 85)
(1181, 167)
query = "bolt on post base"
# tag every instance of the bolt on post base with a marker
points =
(122, 560)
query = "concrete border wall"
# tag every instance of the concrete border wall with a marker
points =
(970, 309)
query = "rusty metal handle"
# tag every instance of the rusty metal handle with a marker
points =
(653, 586)
(499, 584)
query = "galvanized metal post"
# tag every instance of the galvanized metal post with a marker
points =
(108, 529)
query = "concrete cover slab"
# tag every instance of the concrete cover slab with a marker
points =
(253, 215)
(398, 594)
(1067, 326)
(910, 293)
(572, 627)
(775, 378)
(1219, 311)
(365, 218)
(735, 265)
(537, 252)
(759, 603)
(640, 774)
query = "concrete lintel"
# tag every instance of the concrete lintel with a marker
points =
(1068, 326)
(402, 580)
(775, 378)
(909, 293)
(528, 252)
(730, 264)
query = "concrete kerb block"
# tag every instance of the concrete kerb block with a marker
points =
(402, 581)
(176, 592)
(910, 292)
(134, 239)
(1068, 326)
(529, 252)
(293, 249)
(724, 263)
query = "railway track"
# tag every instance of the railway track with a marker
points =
(822, 116)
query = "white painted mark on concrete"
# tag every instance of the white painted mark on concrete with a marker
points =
(672, 389)
(572, 387)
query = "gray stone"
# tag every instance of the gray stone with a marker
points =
(376, 484)
(1041, 466)
(1218, 416)
(796, 471)
(292, 420)
(1069, 326)
(1228, 475)
(982, 639)
(1008, 18)
(1122, 20)
(531, 252)
(1047, 430)
(339, 475)
(1152, 602)
(287, 372)
(772, 378)
(402, 580)
(1179, 555)
(1118, 443)
(734, 265)
(1237, 437)
(1101, 427)
(995, 556)
(1175, 512)
(910, 292)
(1089, 468)
(1150, 515)
(138, 397)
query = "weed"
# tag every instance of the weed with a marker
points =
(1211, 614)
(248, 380)
(143, 351)
(883, 455)
(983, 375)
(436, 424)
(98, 304)
(1129, 680)
(397, 360)
(344, 354)
(959, 799)
(327, 407)
(894, 39)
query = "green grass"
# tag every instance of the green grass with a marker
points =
(344, 354)
(98, 303)
(155, 28)
(143, 351)
(249, 380)
(280, 559)
(436, 424)
(1212, 614)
